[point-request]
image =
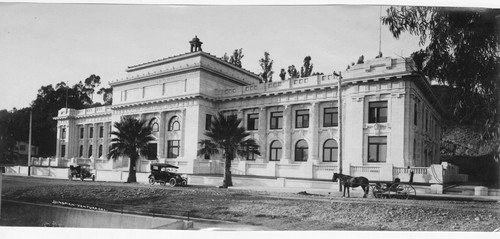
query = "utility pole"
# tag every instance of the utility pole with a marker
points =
(339, 95)
(29, 145)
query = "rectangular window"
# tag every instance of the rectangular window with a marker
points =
(302, 119)
(252, 121)
(153, 147)
(377, 149)
(101, 131)
(415, 114)
(91, 132)
(63, 151)
(208, 122)
(82, 130)
(63, 133)
(251, 156)
(331, 117)
(173, 147)
(276, 120)
(377, 112)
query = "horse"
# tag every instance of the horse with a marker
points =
(352, 182)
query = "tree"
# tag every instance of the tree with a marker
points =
(307, 69)
(107, 95)
(292, 72)
(283, 74)
(131, 139)
(267, 68)
(49, 101)
(462, 53)
(226, 137)
(236, 57)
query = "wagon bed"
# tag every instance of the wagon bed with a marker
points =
(396, 189)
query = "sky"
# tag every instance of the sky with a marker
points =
(42, 44)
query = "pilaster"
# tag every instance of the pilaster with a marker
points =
(287, 123)
(313, 129)
(262, 135)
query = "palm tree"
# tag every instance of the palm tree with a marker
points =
(132, 138)
(226, 137)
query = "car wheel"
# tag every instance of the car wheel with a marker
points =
(172, 182)
(151, 180)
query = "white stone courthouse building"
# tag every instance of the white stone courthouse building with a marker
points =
(391, 119)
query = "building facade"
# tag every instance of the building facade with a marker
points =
(390, 117)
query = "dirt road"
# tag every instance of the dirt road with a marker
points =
(279, 211)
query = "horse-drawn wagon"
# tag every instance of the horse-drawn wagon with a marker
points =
(395, 189)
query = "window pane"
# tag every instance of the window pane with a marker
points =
(372, 115)
(208, 122)
(327, 155)
(372, 153)
(330, 143)
(382, 150)
(301, 144)
(381, 139)
(335, 153)
(382, 115)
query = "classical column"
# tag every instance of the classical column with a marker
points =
(313, 127)
(59, 140)
(183, 133)
(105, 139)
(161, 135)
(287, 130)
(263, 135)
(95, 148)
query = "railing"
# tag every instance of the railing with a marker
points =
(279, 85)
(324, 171)
(330, 168)
(364, 169)
(416, 170)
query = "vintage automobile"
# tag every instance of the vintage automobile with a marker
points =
(164, 173)
(81, 171)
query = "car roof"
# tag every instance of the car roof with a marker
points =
(166, 165)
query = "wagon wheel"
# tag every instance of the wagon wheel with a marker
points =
(402, 191)
(172, 182)
(377, 191)
(152, 180)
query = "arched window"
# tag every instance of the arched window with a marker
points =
(330, 151)
(155, 127)
(173, 124)
(275, 151)
(301, 149)
(100, 150)
(81, 151)
(90, 151)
